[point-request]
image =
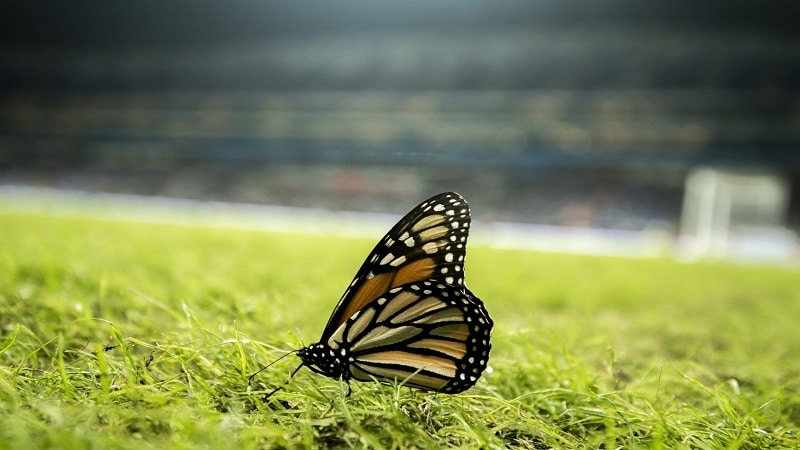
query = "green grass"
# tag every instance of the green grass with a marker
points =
(142, 336)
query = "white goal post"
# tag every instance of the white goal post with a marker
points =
(723, 208)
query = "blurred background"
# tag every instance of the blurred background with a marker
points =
(647, 127)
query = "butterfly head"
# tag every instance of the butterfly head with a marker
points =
(325, 360)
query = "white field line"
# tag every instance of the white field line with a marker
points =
(162, 210)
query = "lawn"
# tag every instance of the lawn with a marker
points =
(139, 336)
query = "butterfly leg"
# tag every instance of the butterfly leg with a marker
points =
(349, 388)
(266, 397)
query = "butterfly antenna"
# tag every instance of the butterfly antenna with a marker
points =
(250, 378)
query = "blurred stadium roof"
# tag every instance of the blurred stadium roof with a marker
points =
(150, 23)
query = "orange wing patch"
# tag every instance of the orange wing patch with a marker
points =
(416, 271)
(374, 287)
(368, 291)
(441, 366)
(455, 350)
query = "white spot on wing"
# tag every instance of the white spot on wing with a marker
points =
(430, 247)
(400, 260)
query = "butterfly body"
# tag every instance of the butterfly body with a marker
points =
(408, 316)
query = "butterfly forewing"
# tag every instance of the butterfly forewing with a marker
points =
(428, 243)
(429, 334)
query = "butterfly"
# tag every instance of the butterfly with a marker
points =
(408, 316)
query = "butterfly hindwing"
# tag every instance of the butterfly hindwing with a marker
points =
(432, 335)
(429, 242)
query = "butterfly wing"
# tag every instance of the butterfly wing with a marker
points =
(432, 335)
(428, 243)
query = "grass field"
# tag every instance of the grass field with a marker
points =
(120, 335)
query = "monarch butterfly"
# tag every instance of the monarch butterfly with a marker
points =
(407, 315)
